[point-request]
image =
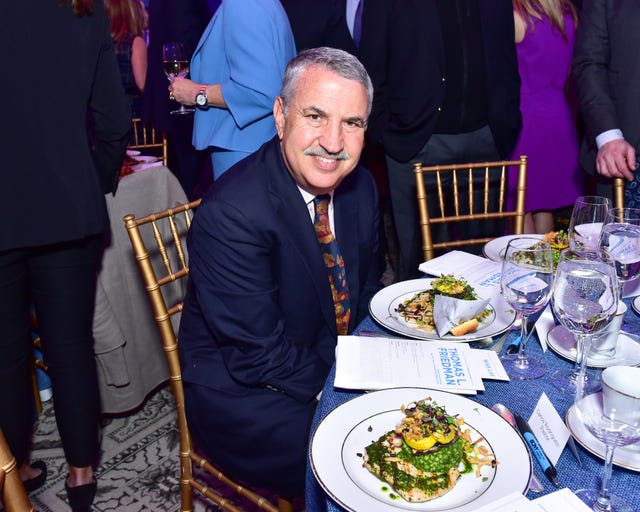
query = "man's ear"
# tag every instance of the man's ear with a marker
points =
(278, 115)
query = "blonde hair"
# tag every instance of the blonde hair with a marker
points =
(553, 9)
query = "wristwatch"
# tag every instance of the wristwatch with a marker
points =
(201, 97)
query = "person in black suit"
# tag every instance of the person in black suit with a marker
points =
(606, 70)
(316, 23)
(181, 21)
(447, 91)
(260, 320)
(54, 176)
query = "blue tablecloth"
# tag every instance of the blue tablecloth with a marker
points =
(520, 396)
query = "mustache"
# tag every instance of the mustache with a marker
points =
(341, 155)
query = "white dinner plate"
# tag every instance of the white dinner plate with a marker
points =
(635, 304)
(339, 441)
(623, 456)
(383, 310)
(562, 342)
(494, 249)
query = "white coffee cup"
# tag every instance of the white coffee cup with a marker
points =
(621, 393)
(603, 345)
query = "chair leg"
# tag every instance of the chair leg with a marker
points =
(36, 391)
(284, 505)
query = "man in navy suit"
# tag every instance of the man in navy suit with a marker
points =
(258, 332)
(606, 69)
(447, 91)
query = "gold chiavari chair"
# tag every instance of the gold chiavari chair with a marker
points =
(463, 183)
(168, 230)
(12, 494)
(146, 139)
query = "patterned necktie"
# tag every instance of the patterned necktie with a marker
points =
(334, 263)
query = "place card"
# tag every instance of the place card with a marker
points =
(488, 365)
(549, 428)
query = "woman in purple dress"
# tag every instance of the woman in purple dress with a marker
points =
(545, 33)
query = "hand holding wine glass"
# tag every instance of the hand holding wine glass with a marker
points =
(526, 279)
(176, 65)
(613, 417)
(585, 300)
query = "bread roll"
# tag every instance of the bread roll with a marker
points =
(465, 327)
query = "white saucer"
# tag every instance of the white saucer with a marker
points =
(635, 304)
(562, 342)
(623, 456)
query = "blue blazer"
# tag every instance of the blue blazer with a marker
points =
(258, 329)
(245, 48)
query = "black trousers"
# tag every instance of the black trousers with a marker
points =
(441, 149)
(60, 281)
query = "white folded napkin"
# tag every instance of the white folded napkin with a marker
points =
(449, 312)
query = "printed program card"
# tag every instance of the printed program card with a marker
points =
(377, 363)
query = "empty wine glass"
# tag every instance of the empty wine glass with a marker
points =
(584, 300)
(620, 239)
(613, 417)
(525, 283)
(175, 64)
(587, 218)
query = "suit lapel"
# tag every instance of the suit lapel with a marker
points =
(289, 205)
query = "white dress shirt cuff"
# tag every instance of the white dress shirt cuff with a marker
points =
(608, 136)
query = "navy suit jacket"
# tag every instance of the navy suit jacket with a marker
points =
(258, 312)
(606, 69)
(402, 48)
(55, 171)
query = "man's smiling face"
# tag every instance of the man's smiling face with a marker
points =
(322, 133)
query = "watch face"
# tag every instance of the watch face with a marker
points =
(201, 99)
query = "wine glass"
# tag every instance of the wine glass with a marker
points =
(584, 300)
(175, 64)
(587, 217)
(525, 283)
(620, 239)
(613, 417)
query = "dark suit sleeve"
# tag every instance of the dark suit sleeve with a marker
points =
(590, 70)
(111, 116)
(232, 262)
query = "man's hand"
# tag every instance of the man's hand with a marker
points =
(616, 159)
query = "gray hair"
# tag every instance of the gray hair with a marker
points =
(338, 61)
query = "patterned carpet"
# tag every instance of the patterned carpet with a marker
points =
(138, 469)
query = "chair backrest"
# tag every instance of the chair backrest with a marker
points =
(618, 192)
(12, 494)
(456, 186)
(148, 140)
(167, 243)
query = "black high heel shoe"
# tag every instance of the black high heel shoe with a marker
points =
(31, 484)
(81, 497)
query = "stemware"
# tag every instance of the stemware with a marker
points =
(588, 215)
(175, 64)
(525, 283)
(620, 239)
(613, 417)
(584, 300)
